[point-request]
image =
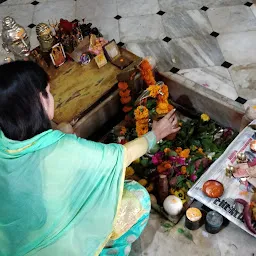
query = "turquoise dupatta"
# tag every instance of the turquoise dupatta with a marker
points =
(59, 194)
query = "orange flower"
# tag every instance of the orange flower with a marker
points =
(167, 151)
(141, 129)
(164, 166)
(142, 121)
(183, 170)
(125, 100)
(178, 150)
(163, 96)
(124, 93)
(127, 109)
(154, 90)
(200, 151)
(162, 108)
(141, 112)
(146, 73)
(184, 153)
(145, 65)
(122, 85)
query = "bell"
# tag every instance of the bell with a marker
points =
(230, 170)
(241, 157)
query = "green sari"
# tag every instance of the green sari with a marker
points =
(59, 194)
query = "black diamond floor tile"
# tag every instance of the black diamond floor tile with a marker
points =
(241, 100)
(121, 44)
(248, 4)
(2, 1)
(174, 70)
(118, 17)
(214, 34)
(32, 25)
(160, 13)
(167, 39)
(35, 3)
(204, 8)
(226, 64)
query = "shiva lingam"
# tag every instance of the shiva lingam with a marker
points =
(15, 39)
(44, 36)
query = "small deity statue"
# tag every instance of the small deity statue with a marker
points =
(44, 36)
(15, 39)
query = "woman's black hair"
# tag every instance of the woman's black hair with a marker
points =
(22, 115)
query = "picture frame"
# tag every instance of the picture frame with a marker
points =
(114, 55)
(58, 55)
(101, 60)
(111, 50)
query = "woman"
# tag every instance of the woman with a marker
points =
(60, 194)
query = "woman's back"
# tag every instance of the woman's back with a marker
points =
(50, 189)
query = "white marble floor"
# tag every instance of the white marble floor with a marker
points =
(212, 42)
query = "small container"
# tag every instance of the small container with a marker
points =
(214, 222)
(162, 188)
(193, 218)
(253, 146)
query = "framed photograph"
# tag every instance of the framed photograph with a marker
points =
(101, 60)
(112, 50)
(58, 55)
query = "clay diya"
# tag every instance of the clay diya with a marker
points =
(253, 146)
(213, 189)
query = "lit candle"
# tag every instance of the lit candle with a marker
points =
(193, 218)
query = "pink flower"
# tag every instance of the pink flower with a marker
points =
(178, 160)
(193, 177)
(157, 158)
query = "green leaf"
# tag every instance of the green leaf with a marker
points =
(188, 235)
(180, 230)
(180, 179)
(167, 224)
(190, 169)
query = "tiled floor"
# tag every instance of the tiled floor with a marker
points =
(211, 42)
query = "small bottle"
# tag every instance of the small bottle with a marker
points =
(214, 222)
(162, 188)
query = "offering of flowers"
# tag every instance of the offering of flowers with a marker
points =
(174, 164)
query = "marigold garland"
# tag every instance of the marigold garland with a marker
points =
(122, 86)
(127, 109)
(146, 73)
(124, 93)
(154, 90)
(125, 96)
(125, 100)
(163, 106)
(141, 114)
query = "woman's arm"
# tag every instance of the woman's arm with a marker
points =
(138, 147)
(161, 129)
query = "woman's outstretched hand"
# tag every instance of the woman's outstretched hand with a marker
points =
(166, 126)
